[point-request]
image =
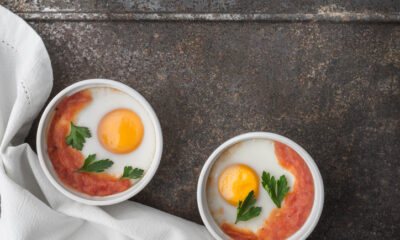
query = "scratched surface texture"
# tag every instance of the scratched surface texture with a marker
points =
(197, 6)
(333, 87)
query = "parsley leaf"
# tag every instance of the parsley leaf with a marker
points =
(246, 209)
(90, 165)
(77, 136)
(129, 172)
(277, 190)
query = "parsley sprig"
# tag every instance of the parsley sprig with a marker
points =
(77, 136)
(90, 165)
(277, 190)
(131, 173)
(246, 209)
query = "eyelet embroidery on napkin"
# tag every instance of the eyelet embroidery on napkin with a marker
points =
(25, 89)
(28, 98)
(9, 45)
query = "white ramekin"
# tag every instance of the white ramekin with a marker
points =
(312, 219)
(47, 166)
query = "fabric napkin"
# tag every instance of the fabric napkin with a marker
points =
(31, 208)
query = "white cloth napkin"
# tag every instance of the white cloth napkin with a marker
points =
(31, 208)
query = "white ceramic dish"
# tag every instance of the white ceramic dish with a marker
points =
(312, 219)
(47, 166)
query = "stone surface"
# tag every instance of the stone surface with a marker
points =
(215, 6)
(332, 88)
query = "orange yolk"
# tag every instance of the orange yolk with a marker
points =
(235, 183)
(120, 131)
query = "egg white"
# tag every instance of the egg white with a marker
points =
(105, 100)
(259, 154)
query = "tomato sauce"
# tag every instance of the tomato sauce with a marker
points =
(236, 233)
(66, 160)
(285, 221)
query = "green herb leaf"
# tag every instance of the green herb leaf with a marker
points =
(246, 209)
(277, 190)
(90, 165)
(133, 173)
(77, 136)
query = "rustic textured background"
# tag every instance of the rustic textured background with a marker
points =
(329, 79)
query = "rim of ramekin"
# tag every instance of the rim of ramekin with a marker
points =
(47, 166)
(316, 210)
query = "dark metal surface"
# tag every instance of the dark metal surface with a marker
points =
(206, 6)
(321, 17)
(334, 88)
(208, 10)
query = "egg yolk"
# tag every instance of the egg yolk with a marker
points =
(120, 131)
(235, 183)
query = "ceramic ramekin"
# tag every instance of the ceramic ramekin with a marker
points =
(312, 219)
(48, 167)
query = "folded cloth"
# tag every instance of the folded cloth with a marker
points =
(31, 208)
